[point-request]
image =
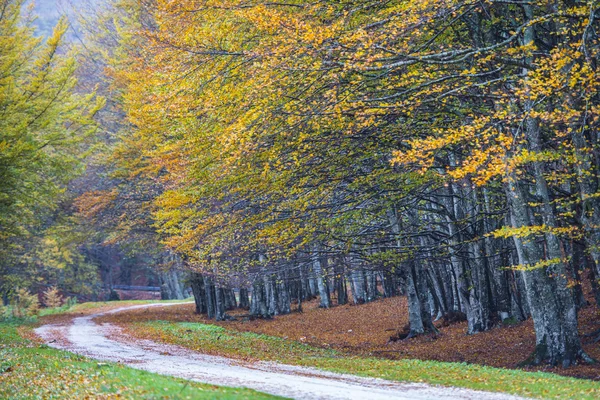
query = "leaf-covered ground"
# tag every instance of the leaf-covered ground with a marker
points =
(30, 370)
(365, 330)
(178, 325)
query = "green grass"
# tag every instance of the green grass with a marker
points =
(122, 303)
(31, 371)
(76, 308)
(217, 340)
(5, 312)
(58, 310)
(214, 339)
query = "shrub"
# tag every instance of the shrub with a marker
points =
(70, 302)
(25, 304)
(114, 296)
(5, 313)
(52, 298)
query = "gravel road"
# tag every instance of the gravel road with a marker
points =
(105, 343)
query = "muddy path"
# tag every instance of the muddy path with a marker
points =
(106, 343)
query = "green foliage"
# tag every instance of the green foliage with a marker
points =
(5, 313)
(24, 304)
(71, 302)
(43, 121)
(17, 311)
(69, 305)
(44, 129)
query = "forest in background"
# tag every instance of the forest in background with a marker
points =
(272, 153)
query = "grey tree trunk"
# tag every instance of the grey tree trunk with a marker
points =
(209, 289)
(320, 276)
(545, 275)
(300, 286)
(578, 266)
(220, 304)
(470, 273)
(437, 294)
(272, 294)
(312, 285)
(419, 313)
(372, 291)
(500, 290)
(305, 283)
(359, 294)
(197, 283)
(244, 300)
(389, 283)
(284, 304)
(550, 300)
(230, 301)
(172, 286)
(259, 306)
(340, 282)
(588, 187)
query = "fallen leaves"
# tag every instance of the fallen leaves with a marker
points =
(365, 331)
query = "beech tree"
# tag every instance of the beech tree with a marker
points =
(44, 126)
(445, 151)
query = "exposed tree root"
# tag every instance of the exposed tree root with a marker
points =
(595, 335)
(540, 357)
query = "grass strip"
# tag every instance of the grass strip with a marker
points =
(32, 371)
(216, 340)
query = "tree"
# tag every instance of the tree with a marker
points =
(43, 127)
(453, 147)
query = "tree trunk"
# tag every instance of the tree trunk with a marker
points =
(550, 300)
(320, 277)
(230, 301)
(209, 289)
(219, 304)
(259, 299)
(244, 300)
(284, 304)
(471, 279)
(419, 314)
(390, 284)
(357, 278)
(372, 291)
(340, 284)
(545, 276)
(588, 188)
(197, 283)
(437, 293)
(171, 288)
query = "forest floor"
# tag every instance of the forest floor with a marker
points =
(85, 336)
(342, 340)
(365, 330)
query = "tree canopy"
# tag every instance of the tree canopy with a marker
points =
(446, 150)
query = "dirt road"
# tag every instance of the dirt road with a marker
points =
(86, 337)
